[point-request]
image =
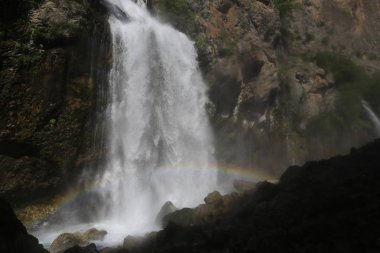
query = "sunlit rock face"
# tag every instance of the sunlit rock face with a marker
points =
(268, 87)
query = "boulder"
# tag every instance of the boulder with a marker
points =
(91, 248)
(167, 208)
(68, 240)
(214, 198)
(183, 217)
(131, 242)
(242, 185)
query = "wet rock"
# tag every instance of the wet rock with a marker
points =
(131, 242)
(68, 240)
(214, 198)
(167, 208)
(326, 206)
(182, 217)
(242, 185)
(91, 248)
(94, 234)
(214, 208)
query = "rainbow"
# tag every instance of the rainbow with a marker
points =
(80, 193)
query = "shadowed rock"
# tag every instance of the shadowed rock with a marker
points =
(167, 208)
(242, 185)
(325, 206)
(13, 235)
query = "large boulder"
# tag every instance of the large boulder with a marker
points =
(167, 208)
(214, 198)
(182, 217)
(69, 240)
(91, 248)
(213, 209)
(131, 242)
(243, 186)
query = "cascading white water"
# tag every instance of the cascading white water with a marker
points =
(373, 117)
(160, 139)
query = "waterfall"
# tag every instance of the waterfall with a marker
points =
(160, 142)
(373, 117)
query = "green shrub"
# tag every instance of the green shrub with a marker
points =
(58, 34)
(28, 56)
(285, 7)
(342, 68)
(308, 37)
(325, 41)
(226, 46)
(179, 13)
(352, 83)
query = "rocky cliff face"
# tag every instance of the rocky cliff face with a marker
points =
(53, 57)
(286, 77)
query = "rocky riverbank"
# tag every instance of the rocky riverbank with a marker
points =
(325, 206)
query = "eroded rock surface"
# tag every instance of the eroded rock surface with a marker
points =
(272, 100)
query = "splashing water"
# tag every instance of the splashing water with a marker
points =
(158, 121)
(160, 140)
(373, 117)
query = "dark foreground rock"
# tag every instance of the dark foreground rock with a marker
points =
(13, 235)
(91, 248)
(327, 206)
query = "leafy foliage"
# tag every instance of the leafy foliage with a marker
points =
(58, 34)
(179, 13)
(286, 6)
(226, 46)
(353, 83)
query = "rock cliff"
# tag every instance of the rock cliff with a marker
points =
(286, 77)
(53, 57)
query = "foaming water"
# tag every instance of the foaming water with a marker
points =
(373, 117)
(160, 141)
(118, 228)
